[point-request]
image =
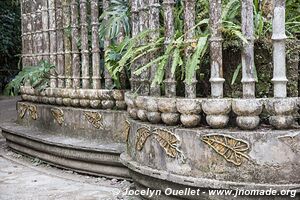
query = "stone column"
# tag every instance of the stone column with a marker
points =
(84, 45)
(39, 31)
(26, 33)
(170, 82)
(143, 19)
(67, 42)
(248, 79)
(216, 78)
(75, 43)
(154, 8)
(52, 42)
(107, 77)
(123, 75)
(135, 31)
(45, 29)
(60, 45)
(281, 109)
(33, 32)
(248, 109)
(23, 30)
(95, 44)
(279, 74)
(189, 23)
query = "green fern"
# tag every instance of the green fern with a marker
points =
(38, 77)
(118, 19)
(193, 62)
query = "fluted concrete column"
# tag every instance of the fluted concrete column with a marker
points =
(170, 82)
(75, 41)
(279, 56)
(60, 45)
(189, 23)
(123, 75)
(107, 77)
(248, 78)
(38, 31)
(95, 44)
(52, 41)
(84, 44)
(144, 24)
(67, 42)
(26, 33)
(154, 8)
(135, 31)
(23, 31)
(45, 30)
(216, 78)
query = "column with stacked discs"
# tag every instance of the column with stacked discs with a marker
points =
(249, 108)
(281, 108)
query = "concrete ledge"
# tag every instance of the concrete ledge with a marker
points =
(78, 154)
(161, 157)
(173, 111)
(85, 98)
(90, 124)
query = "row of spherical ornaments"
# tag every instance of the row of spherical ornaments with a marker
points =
(175, 111)
(98, 99)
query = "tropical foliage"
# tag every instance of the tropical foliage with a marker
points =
(115, 20)
(38, 77)
(121, 56)
(10, 40)
(129, 50)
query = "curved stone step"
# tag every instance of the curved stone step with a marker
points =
(80, 154)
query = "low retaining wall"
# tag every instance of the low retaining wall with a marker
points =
(188, 112)
(85, 140)
(212, 159)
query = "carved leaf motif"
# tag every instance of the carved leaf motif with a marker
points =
(22, 110)
(94, 118)
(142, 135)
(292, 140)
(58, 115)
(168, 141)
(233, 150)
(33, 111)
(126, 129)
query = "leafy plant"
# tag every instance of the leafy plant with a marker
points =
(124, 55)
(115, 20)
(10, 40)
(38, 77)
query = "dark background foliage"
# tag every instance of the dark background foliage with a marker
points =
(10, 40)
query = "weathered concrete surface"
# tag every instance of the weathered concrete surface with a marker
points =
(73, 143)
(75, 123)
(25, 178)
(8, 110)
(82, 155)
(215, 159)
